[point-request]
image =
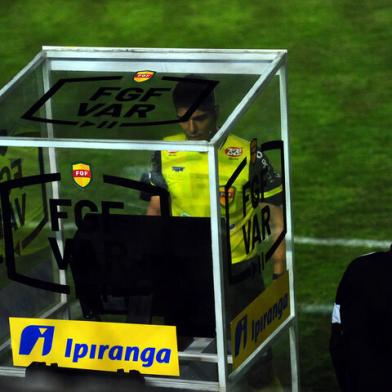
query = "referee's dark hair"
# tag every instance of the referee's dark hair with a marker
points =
(186, 93)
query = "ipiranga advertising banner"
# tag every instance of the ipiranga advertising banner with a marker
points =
(149, 349)
(260, 319)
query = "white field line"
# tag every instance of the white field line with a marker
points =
(352, 242)
(325, 309)
(322, 309)
(315, 308)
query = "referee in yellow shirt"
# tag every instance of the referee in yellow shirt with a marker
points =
(185, 176)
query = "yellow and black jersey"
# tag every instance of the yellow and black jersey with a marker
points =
(185, 176)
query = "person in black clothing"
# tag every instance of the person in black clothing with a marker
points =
(361, 336)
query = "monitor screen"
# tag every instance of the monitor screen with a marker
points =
(136, 255)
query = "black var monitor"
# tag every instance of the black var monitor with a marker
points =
(161, 264)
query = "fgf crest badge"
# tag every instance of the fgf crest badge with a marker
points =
(222, 195)
(81, 174)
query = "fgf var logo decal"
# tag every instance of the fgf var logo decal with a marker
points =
(257, 217)
(59, 209)
(81, 174)
(116, 102)
(143, 76)
(149, 349)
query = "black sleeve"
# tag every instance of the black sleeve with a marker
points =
(154, 176)
(349, 343)
(272, 180)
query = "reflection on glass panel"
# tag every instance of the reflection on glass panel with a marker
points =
(24, 233)
(270, 370)
(14, 103)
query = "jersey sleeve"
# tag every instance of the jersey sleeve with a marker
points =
(154, 175)
(350, 341)
(272, 180)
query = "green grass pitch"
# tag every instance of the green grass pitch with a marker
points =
(340, 110)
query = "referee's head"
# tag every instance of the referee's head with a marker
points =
(202, 124)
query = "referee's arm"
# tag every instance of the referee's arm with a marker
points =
(277, 226)
(154, 207)
(155, 177)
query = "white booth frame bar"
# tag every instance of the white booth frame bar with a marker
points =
(266, 63)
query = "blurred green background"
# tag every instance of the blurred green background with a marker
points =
(340, 85)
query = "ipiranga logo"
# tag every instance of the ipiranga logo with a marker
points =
(31, 335)
(150, 349)
(260, 319)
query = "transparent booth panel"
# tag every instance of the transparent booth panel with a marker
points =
(24, 249)
(23, 95)
(90, 219)
(111, 105)
(89, 105)
(253, 204)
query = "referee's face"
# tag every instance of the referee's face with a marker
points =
(200, 126)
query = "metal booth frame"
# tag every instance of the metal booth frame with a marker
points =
(272, 63)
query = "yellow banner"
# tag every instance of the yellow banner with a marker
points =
(149, 349)
(260, 319)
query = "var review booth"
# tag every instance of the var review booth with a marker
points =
(146, 219)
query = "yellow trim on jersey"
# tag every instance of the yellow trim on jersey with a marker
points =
(273, 192)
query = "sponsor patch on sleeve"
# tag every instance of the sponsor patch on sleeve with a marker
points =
(233, 152)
